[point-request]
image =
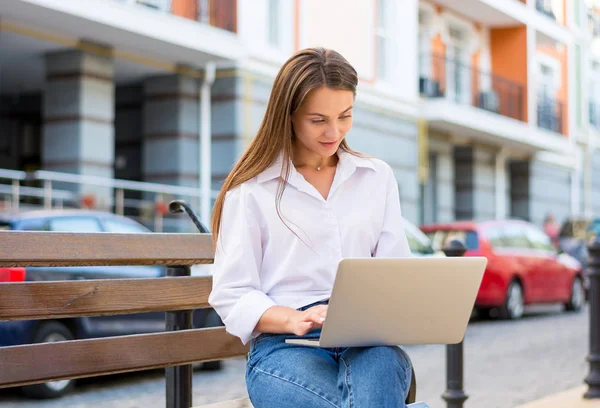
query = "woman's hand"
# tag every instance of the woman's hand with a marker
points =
(302, 322)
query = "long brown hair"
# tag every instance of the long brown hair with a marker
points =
(306, 70)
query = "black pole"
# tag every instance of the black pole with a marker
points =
(179, 378)
(593, 378)
(454, 395)
(179, 206)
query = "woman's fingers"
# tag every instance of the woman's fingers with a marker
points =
(315, 317)
(303, 328)
(321, 310)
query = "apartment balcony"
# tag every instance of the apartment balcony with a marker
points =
(492, 13)
(466, 102)
(467, 85)
(594, 116)
(216, 13)
(550, 114)
(191, 32)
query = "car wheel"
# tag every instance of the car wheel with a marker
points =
(49, 332)
(483, 312)
(515, 302)
(576, 300)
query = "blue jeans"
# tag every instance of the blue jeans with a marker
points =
(282, 375)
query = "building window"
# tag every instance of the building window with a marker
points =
(594, 92)
(274, 35)
(204, 11)
(458, 75)
(382, 33)
(550, 109)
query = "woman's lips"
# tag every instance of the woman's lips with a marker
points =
(328, 144)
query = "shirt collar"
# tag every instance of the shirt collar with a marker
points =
(347, 164)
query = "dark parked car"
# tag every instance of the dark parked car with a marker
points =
(32, 331)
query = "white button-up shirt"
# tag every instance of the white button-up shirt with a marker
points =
(260, 263)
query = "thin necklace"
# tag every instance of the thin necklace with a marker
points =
(319, 168)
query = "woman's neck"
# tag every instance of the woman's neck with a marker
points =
(304, 158)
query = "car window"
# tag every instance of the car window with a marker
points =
(5, 226)
(417, 246)
(439, 239)
(538, 240)
(495, 237)
(74, 224)
(117, 226)
(514, 237)
(36, 224)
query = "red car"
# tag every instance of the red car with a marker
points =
(523, 266)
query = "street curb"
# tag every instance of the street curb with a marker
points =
(572, 398)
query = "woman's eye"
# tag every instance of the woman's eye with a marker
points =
(317, 121)
(346, 117)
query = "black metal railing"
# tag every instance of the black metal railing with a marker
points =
(595, 115)
(545, 7)
(465, 84)
(550, 113)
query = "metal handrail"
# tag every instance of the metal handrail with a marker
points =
(550, 112)
(51, 196)
(117, 183)
(12, 174)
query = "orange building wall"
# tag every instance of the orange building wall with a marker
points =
(185, 8)
(563, 91)
(508, 50)
(438, 54)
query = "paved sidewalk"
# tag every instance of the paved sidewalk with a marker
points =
(572, 398)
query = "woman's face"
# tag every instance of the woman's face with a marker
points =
(322, 121)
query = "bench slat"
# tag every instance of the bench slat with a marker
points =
(61, 299)
(30, 364)
(26, 248)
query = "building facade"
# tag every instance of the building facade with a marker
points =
(484, 108)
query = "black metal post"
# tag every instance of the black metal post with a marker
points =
(454, 395)
(179, 378)
(178, 206)
(593, 378)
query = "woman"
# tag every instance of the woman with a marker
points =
(551, 228)
(297, 202)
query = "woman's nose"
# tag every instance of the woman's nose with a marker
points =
(332, 131)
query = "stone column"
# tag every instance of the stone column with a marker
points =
(171, 138)
(78, 111)
(170, 131)
(474, 182)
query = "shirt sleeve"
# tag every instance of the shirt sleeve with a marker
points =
(236, 293)
(392, 242)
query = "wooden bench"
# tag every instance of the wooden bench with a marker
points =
(178, 295)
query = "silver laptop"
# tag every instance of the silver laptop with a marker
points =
(400, 301)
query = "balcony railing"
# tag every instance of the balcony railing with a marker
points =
(464, 84)
(545, 7)
(550, 113)
(595, 115)
(217, 13)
